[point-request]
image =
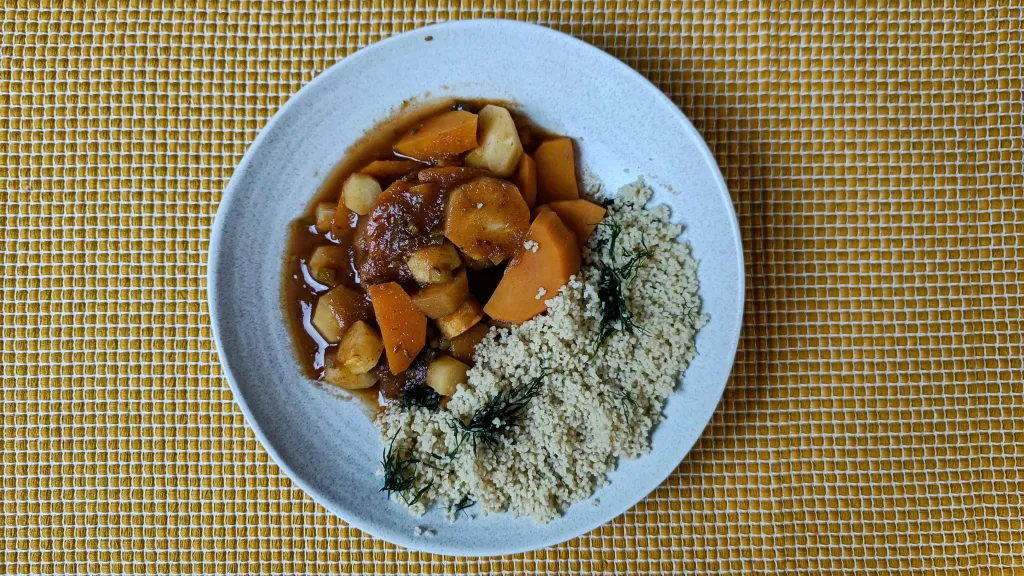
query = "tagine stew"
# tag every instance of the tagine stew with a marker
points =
(438, 225)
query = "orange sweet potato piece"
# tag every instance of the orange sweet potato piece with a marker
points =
(556, 171)
(526, 180)
(446, 134)
(580, 216)
(533, 277)
(448, 176)
(389, 169)
(402, 326)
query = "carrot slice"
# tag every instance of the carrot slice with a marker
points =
(533, 277)
(556, 171)
(446, 134)
(580, 216)
(402, 326)
(526, 180)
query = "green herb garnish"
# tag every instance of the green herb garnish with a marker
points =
(616, 279)
(399, 476)
(421, 396)
(499, 415)
(625, 398)
(463, 504)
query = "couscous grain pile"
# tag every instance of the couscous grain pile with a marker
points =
(571, 402)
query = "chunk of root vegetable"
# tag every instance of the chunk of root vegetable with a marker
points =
(389, 169)
(347, 380)
(437, 300)
(463, 346)
(402, 326)
(360, 192)
(434, 264)
(446, 134)
(549, 268)
(464, 317)
(324, 218)
(326, 262)
(445, 374)
(556, 171)
(580, 216)
(498, 148)
(487, 219)
(338, 309)
(360, 348)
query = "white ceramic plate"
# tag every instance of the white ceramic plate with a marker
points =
(625, 128)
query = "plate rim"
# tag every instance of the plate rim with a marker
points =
(229, 194)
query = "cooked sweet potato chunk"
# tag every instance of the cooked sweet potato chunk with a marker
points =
(390, 169)
(486, 218)
(403, 327)
(580, 216)
(535, 276)
(556, 171)
(526, 180)
(498, 149)
(338, 309)
(445, 374)
(446, 134)
(439, 300)
(448, 176)
(463, 346)
(360, 348)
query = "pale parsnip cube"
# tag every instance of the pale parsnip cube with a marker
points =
(325, 218)
(445, 374)
(338, 309)
(434, 264)
(347, 380)
(498, 148)
(468, 314)
(360, 348)
(325, 263)
(360, 193)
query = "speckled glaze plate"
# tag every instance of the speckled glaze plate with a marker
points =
(624, 127)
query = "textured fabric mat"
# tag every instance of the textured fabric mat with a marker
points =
(875, 419)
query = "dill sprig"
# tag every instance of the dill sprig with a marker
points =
(499, 415)
(625, 397)
(399, 476)
(464, 504)
(422, 396)
(615, 281)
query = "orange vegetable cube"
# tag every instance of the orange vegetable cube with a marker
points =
(533, 277)
(526, 180)
(556, 171)
(580, 216)
(402, 326)
(446, 134)
(390, 169)
(448, 176)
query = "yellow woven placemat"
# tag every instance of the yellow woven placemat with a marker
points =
(875, 419)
